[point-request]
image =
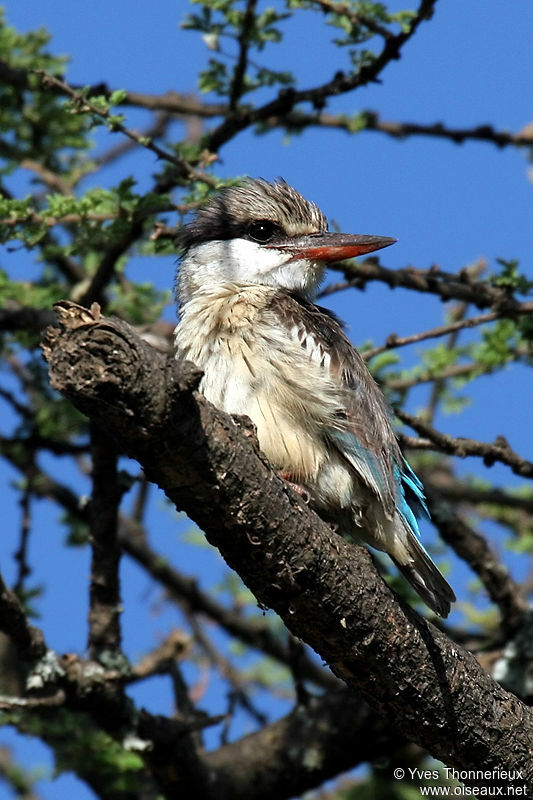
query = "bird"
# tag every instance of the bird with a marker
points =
(252, 259)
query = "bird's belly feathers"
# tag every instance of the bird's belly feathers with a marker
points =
(247, 370)
(241, 382)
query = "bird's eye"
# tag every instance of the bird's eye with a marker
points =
(262, 231)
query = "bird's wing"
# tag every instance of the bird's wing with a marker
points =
(361, 430)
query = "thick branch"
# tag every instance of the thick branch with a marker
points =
(104, 591)
(326, 590)
(300, 751)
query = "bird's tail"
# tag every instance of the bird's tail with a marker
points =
(424, 577)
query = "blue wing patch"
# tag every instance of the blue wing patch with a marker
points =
(364, 461)
(411, 500)
(409, 494)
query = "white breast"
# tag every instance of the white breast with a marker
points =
(223, 332)
(215, 332)
(252, 366)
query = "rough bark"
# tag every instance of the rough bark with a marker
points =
(316, 742)
(326, 590)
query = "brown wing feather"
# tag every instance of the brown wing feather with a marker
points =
(365, 413)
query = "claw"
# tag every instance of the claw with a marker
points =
(296, 487)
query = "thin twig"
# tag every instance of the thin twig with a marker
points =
(175, 646)
(473, 495)
(21, 554)
(227, 670)
(490, 453)
(341, 83)
(453, 371)
(26, 412)
(83, 104)
(356, 18)
(446, 285)
(458, 313)
(154, 131)
(10, 703)
(393, 341)
(141, 499)
(18, 777)
(34, 218)
(239, 72)
(370, 121)
(51, 179)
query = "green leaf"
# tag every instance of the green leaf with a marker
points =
(510, 278)
(117, 97)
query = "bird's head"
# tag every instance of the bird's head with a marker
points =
(263, 233)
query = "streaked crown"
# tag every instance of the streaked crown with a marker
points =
(232, 213)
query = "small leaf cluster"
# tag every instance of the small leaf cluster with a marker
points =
(80, 747)
(36, 123)
(230, 22)
(511, 279)
(353, 18)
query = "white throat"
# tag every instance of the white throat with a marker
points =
(242, 262)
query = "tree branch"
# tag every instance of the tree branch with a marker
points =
(186, 591)
(370, 121)
(14, 623)
(446, 285)
(393, 341)
(341, 83)
(325, 589)
(462, 447)
(302, 750)
(474, 549)
(459, 492)
(253, 633)
(454, 371)
(104, 590)
(171, 101)
(356, 18)
(84, 104)
(237, 81)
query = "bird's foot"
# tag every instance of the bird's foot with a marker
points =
(296, 487)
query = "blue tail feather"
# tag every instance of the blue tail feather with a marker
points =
(411, 500)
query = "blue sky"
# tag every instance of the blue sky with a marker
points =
(447, 205)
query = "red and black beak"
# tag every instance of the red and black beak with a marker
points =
(332, 246)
